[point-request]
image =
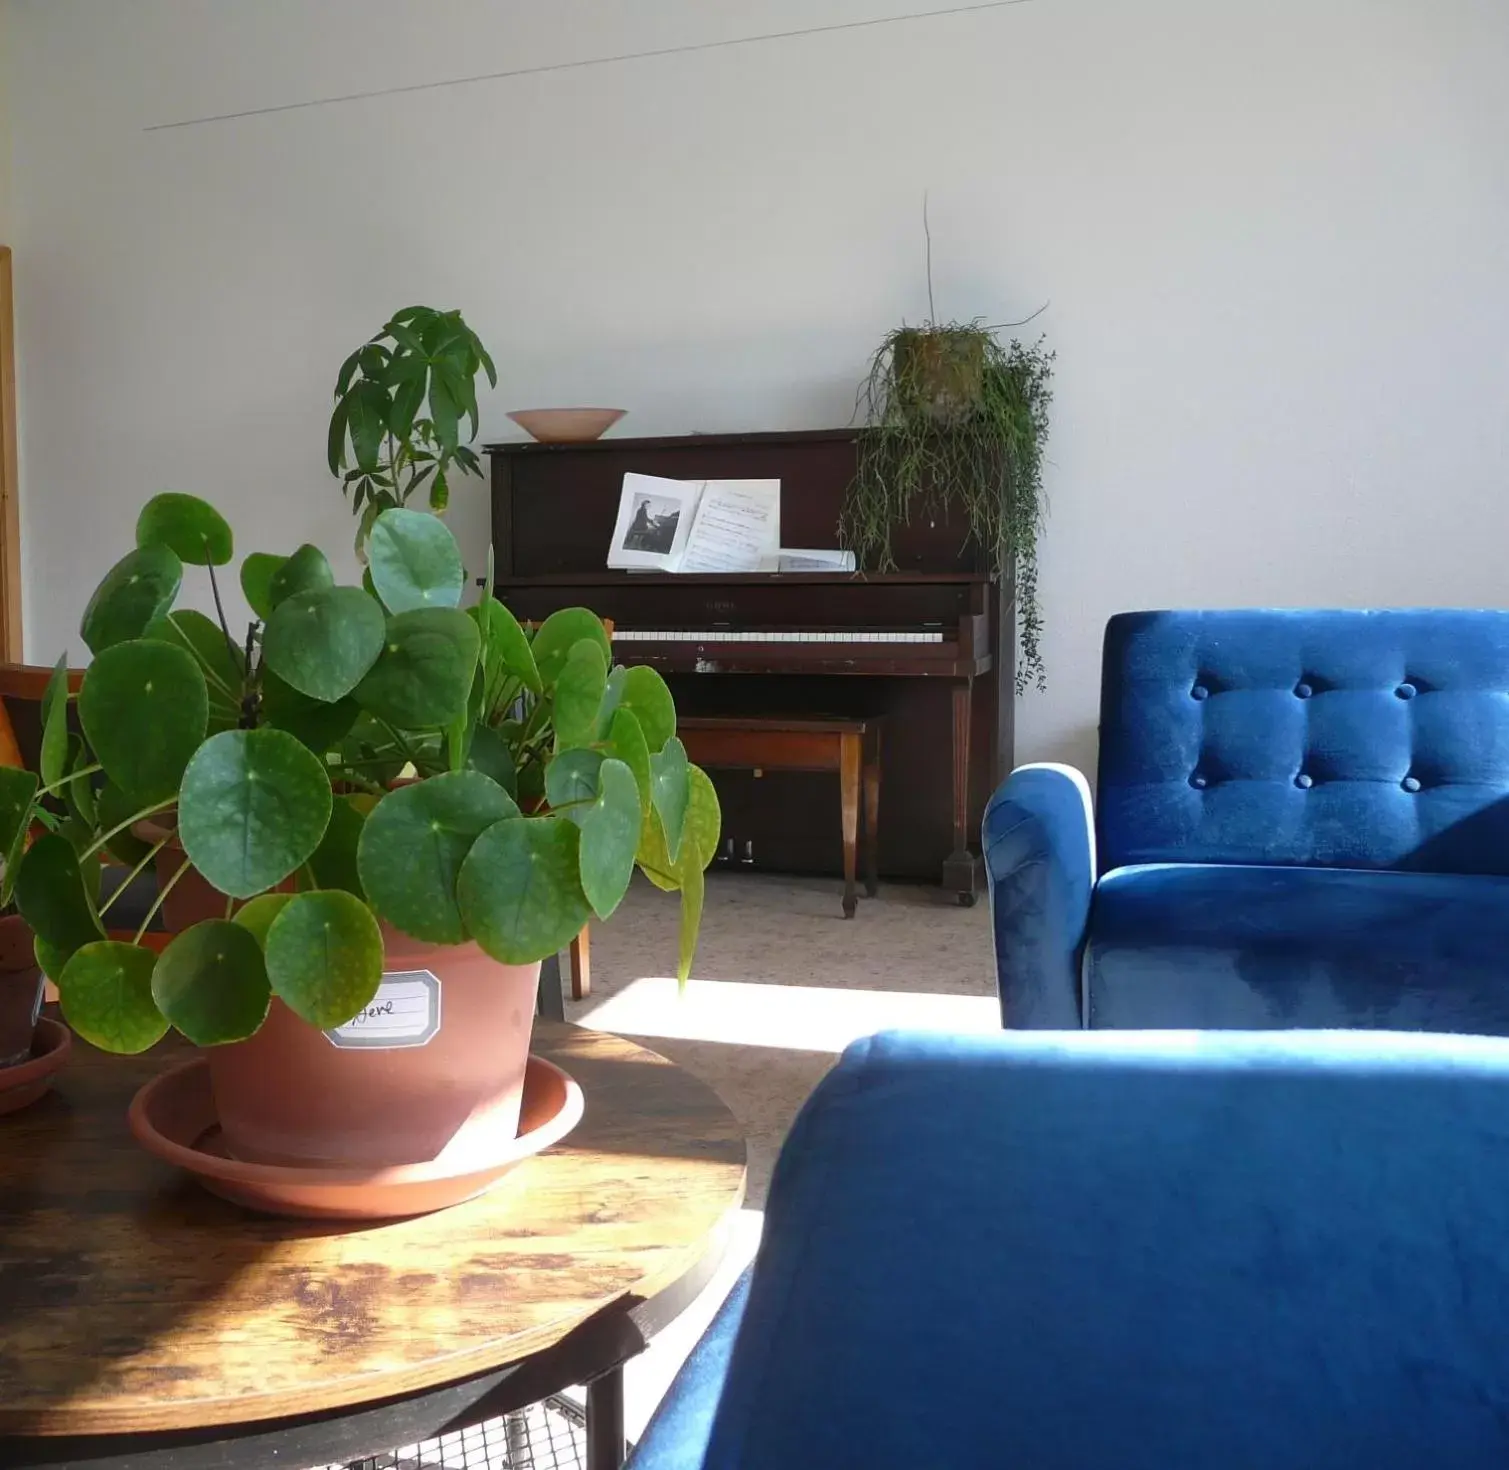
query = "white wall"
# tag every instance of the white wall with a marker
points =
(1273, 235)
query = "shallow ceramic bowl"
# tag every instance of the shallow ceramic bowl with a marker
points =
(567, 425)
(174, 1117)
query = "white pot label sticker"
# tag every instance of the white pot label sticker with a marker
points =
(404, 1012)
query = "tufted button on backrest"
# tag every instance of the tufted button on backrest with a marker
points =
(1394, 724)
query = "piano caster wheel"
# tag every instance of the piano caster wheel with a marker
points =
(966, 900)
(851, 906)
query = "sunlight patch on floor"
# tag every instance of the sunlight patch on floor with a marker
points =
(792, 1017)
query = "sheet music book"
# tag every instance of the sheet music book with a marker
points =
(792, 559)
(697, 525)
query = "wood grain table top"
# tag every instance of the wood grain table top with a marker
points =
(132, 1301)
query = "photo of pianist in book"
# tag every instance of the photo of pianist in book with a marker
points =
(652, 524)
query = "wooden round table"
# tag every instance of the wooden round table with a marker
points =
(145, 1322)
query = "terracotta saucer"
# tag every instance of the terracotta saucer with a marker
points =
(27, 1081)
(173, 1116)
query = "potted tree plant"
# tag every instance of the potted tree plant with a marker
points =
(368, 788)
(400, 400)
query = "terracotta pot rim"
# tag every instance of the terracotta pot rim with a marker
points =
(50, 1045)
(241, 1172)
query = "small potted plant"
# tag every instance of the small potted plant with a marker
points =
(400, 401)
(369, 783)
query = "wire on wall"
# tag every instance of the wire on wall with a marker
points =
(590, 61)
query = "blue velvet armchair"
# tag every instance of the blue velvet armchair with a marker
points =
(1303, 821)
(1123, 1251)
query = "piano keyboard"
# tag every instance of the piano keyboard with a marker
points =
(726, 635)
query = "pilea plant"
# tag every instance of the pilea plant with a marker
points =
(400, 400)
(361, 754)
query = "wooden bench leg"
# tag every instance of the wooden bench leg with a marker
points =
(849, 762)
(581, 966)
(872, 815)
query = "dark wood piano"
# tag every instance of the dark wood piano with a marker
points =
(928, 646)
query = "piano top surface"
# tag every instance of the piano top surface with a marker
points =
(736, 579)
(618, 444)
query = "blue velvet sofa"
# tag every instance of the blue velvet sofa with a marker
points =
(1123, 1251)
(1302, 821)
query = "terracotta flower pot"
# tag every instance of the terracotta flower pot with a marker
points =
(434, 1070)
(20, 990)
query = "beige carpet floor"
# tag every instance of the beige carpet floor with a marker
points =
(782, 983)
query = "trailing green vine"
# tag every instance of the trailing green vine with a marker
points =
(957, 419)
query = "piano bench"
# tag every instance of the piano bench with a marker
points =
(851, 747)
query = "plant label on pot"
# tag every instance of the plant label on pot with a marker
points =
(404, 1012)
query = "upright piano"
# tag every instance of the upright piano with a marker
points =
(928, 647)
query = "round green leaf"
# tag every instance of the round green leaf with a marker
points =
(205, 640)
(626, 742)
(113, 806)
(106, 991)
(610, 837)
(560, 633)
(491, 754)
(306, 570)
(671, 791)
(521, 891)
(257, 572)
(211, 983)
(17, 787)
(424, 676)
(645, 694)
(144, 708)
(139, 587)
(52, 896)
(189, 527)
(313, 723)
(414, 843)
(505, 649)
(324, 957)
(578, 693)
(54, 753)
(704, 818)
(334, 860)
(414, 561)
(50, 959)
(256, 916)
(572, 777)
(78, 793)
(322, 643)
(699, 835)
(253, 807)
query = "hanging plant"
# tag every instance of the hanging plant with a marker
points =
(958, 420)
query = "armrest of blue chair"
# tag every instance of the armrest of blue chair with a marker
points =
(676, 1437)
(1136, 1249)
(1039, 845)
